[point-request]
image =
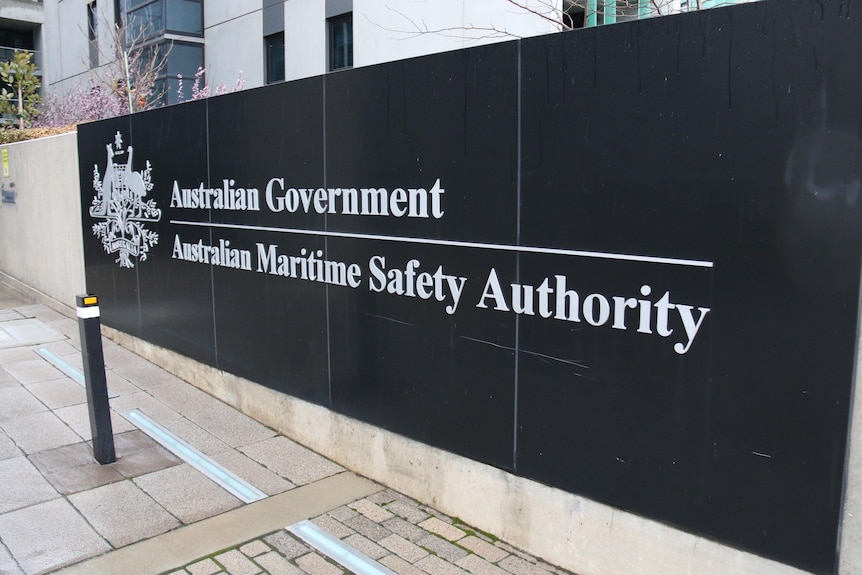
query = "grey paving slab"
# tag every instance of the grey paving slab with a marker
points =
(32, 371)
(8, 565)
(255, 548)
(371, 510)
(204, 567)
(39, 311)
(315, 564)
(405, 549)
(38, 432)
(9, 314)
(146, 376)
(69, 328)
(7, 447)
(69, 480)
(483, 549)
(19, 332)
(49, 535)
(275, 564)
(118, 385)
(122, 513)
(405, 529)
(146, 403)
(236, 563)
(434, 565)
(333, 527)
(253, 472)
(52, 460)
(286, 544)
(519, 566)
(411, 513)
(117, 356)
(228, 424)
(21, 485)
(366, 546)
(7, 380)
(442, 548)
(479, 566)
(16, 354)
(342, 513)
(187, 494)
(184, 398)
(73, 468)
(291, 460)
(368, 528)
(59, 348)
(196, 436)
(401, 566)
(77, 417)
(132, 442)
(58, 392)
(443, 529)
(145, 462)
(17, 402)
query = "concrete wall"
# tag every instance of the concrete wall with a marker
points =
(573, 532)
(40, 233)
(39, 246)
(22, 10)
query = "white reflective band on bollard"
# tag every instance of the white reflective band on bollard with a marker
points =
(88, 312)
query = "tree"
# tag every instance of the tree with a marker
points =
(23, 99)
(127, 82)
(134, 67)
(558, 14)
(202, 90)
(86, 102)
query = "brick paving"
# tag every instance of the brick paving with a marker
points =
(440, 545)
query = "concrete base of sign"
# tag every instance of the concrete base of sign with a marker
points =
(572, 532)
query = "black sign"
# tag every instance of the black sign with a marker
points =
(621, 261)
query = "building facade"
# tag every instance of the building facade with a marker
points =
(267, 41)
(21, 23)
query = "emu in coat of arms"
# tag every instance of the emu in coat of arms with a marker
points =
(119, 201)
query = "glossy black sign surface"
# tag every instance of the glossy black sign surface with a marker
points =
(621, 261)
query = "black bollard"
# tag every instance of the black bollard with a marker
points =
(89, 326)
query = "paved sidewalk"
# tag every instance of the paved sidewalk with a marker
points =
(151, 512)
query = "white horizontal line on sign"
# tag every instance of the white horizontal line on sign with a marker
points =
(458, 244)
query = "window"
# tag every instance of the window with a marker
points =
(145, 22)
(185, 17)
(573, 14)
(341, 42)
(274, 46)
(92, 34)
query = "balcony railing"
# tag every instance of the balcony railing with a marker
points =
(7, 53)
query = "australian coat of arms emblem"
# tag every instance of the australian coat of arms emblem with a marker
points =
(120, 202)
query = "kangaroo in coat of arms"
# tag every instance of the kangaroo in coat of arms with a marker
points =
(120, 202)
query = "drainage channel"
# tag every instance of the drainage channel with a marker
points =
(237, 486)
(57, 362)
(337, 550)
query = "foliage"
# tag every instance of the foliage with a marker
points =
(206, 91)
(11, 136)
(132, 66)
(84, 103)
(22, 100)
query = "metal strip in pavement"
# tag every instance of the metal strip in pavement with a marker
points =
(235, 485)
(337, 550)
(66, 368)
